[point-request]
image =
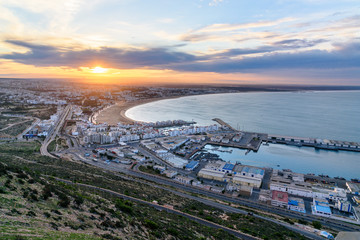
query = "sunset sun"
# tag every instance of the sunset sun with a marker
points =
(99, 70)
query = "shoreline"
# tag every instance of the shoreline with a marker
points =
(115, 113)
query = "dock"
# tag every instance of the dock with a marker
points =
(315, 142)
(224, 124)
(252, 140)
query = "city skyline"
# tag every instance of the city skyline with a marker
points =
(199, 41)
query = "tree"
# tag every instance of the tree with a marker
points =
(316, 224)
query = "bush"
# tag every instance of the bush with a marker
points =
(22, 175)
(124, 206)
(18, 237)
(31, 214)
(151, 224)
(2, 190)
(64, 201)
(46, 192)
(79, 200)
(20, 181)
(173, 232)
(316, 224)
(301, 221)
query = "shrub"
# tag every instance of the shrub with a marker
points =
(316, 224)
(2, 190)
(64, 200)
(79, 200)
(31, 214)
(124, 206)
(151, 224)
(46, 192)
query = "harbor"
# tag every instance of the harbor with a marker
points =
(252, 140)
(316, 143)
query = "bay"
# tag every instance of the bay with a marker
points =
(331, 115)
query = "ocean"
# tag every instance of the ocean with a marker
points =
(331, 115)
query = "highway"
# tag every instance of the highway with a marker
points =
(208, 202)
(54, 131)
(158, 160)
(331, 223)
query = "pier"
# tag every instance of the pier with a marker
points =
(315, 142)
(222, 123)
(252, 141)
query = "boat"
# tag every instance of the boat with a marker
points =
(326, 147)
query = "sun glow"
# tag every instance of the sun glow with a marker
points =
(99, 70)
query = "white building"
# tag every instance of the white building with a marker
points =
(249, 176)
(321, 207)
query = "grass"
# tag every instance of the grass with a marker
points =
(18, 128)
(17, 232)
(52, 146)
(100, 213)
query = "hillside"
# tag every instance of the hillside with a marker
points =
(35, 204)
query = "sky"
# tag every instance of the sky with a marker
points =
(313, 42)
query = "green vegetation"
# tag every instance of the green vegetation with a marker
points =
(149, 169)
(52, 146)
(35, 205)
(316, 224)
(57, 144)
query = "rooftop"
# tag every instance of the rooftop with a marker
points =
(280, 196)
(228, 166)
(324, 209)
(192, 164)
(253, 170)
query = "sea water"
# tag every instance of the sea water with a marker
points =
(331, 115)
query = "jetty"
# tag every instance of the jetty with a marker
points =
(315, 142)
(224, 124)
(253, 140)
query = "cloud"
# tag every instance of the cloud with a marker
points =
(215, 31)
(44, 56)
(214, 3)
(298, 43)
(344, 58)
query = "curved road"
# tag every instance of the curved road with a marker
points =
(54, 131)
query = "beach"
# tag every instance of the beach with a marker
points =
(115, 114)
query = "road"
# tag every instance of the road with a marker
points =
(331, 223)
(37, 120)
(156, 159)
(208, 202)
(55, 130)
(177, 212)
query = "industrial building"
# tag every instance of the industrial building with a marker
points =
(353, 187)
(183, 179)
(344, 206)
(279, 199)
(296, 204)
(212, 174)
(249, 176)
(293, 183)
(321, 207)
(191, 165)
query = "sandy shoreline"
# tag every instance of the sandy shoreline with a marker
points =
(116, 113)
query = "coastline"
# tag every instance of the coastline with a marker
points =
(115, 113)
